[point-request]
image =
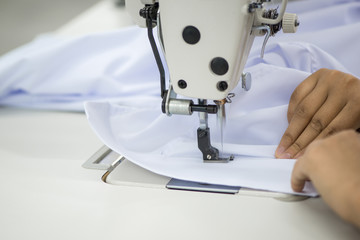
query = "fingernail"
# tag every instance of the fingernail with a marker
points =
(279, 151)
(285, 156)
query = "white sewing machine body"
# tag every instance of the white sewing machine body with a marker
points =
(206, 45)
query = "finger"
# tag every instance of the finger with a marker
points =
(348, 118)
(299, 154)
(322, 118)
(300, 92)
(301, 118)
(298, 176)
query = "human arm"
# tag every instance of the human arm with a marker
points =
(333, 167)
(324, 103)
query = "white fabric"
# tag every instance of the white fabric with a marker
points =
(55, 73)
(256, 121)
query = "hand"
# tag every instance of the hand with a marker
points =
(326, 102)
(333, 166)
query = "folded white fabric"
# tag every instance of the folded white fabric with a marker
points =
(256, 121)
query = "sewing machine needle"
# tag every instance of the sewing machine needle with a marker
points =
(221, 122)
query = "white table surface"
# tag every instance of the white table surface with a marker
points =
(46, 194)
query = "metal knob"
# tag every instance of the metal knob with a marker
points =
(246, 81)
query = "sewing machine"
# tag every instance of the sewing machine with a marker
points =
(206, 45)
(46, 194)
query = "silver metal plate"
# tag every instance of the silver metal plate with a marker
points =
(177, 184)
(103, 159)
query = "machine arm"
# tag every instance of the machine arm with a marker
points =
(206, 45)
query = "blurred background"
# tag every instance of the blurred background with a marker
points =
(22, 20)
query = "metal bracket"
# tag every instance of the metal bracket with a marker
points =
(103, 159)
(267, 30)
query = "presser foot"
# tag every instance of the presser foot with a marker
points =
(210, 153)
(220, 160)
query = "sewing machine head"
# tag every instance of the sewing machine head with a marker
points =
(206, 45)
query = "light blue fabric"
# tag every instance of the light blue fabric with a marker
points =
(331, 25)
(57, 73)
(61, 73)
